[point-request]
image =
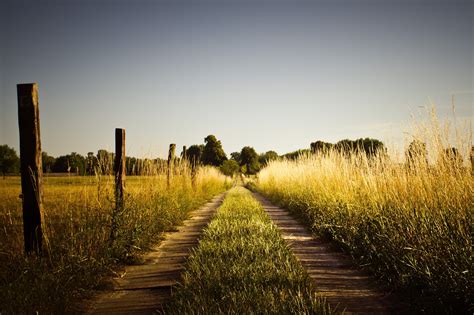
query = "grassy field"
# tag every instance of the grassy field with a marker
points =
(77, 224)
(411, 226)
(243, 266)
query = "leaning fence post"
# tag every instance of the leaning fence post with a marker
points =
(30, 166)
(170, 162)
(119, 171)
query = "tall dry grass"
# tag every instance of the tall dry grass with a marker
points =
(77, 224)
(410, 224)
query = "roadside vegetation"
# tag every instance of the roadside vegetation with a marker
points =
(410, 223)
(243, 266)
(79, 252)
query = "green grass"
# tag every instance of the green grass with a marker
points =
(78, 253)
(243, 266)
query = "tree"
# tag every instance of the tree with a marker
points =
(229, 167)
(266, 157)
(9, 160)
(194, 154)
(371, 147)
(249, 159)
(91, 163)
(296, 154)
(213, 153)
(71, 163)
(416, 154)
(105, 162)
(235, 156)
(321, 146)
(48, 162)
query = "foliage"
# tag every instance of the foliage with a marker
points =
(48, 162)
(90, 163)
(213, 153)
(243, 266)
(295, 154)
(249, 159)
(105, 162)
(194, 154)
(371, 147)
(321, 146)
(266, 157)
(70, 163)
(9, 160)
(230, 168)
(236, 157)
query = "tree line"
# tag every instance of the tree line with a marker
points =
(246, 161)
(75, 163)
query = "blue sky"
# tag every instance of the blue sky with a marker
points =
(275, 75)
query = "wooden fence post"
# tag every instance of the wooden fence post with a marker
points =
(119, 166)
(170, 162)
(31, 166)
(119, 171)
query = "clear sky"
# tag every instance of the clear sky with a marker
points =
(275, 75)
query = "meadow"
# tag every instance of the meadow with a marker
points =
(79, 254)
(410, 224)
(243, 266)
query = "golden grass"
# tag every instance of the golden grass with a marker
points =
(412, 225)
(77, 223)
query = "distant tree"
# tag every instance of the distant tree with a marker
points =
(61, 164)
(416, 154)
(213, 153)
(266, 157)
(236, 157)
(91, 163)
(70, 163)
(194, 153)
(371, 147)
(229, 167)
(249, 159)
(105, 162)
(48, 162)
(296, 154)
(9, 160)
(77, 163)
(321, 146)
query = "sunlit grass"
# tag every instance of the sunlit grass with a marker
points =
(243, 266)
(411, 225)
(78, 249)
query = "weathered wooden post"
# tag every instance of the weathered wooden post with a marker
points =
(119, 171)
(119, 166)
(31, 166)
(170, 162)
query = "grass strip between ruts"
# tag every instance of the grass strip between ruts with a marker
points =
(242, 266)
